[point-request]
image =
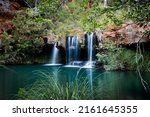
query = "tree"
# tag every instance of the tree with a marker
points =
(138, 10)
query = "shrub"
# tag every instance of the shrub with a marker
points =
(119, 58)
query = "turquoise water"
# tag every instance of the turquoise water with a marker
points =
(108, 84)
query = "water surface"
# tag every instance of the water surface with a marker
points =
(104, 84)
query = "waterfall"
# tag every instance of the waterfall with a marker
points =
(90, 46)
(105, 3)
(90, 51)
(73, 52)
(69, 49)
(55, 54)
(76, 46)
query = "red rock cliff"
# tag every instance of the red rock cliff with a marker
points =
(8, 9)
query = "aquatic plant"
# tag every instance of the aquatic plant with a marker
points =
(104, 85)
(49, 87)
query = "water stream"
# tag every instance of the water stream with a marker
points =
(73, 49)
(90, 51)
(55, 54)
(105, 3)
(90, 46)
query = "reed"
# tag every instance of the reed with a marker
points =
(49, 87)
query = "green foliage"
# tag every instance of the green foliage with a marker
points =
(143, 61)
(77, 15)
(147, 33)
(25, 41)
(109, 56)
(128, 59)
(118, 58)
(17, 50)
(48, 8)
(62, 18)
(136, 10)
(31, 27)
(49, 87)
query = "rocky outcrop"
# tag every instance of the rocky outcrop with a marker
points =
(8, 9)
(128, 33)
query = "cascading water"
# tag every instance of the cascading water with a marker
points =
(89, 64)
(55, 54)
(69, 49)
(73, 51)
(90, 50)
(105, 3)
(90, 46)
(76, 44)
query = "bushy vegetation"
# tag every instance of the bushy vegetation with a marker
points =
(23, 44)
(62, 18)
(116, 57)
(18, 49)
(137, 10)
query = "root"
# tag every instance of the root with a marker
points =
(139, 51)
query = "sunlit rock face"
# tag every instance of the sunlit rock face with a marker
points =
(4, 6)
(128, 33)
(8, 9)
